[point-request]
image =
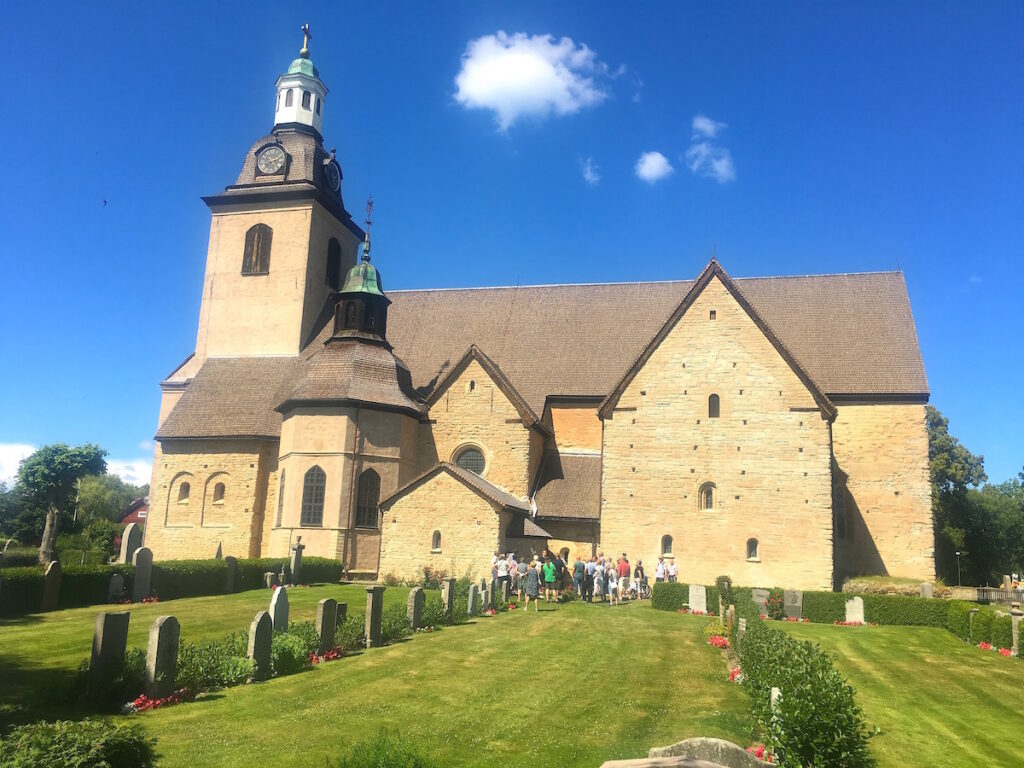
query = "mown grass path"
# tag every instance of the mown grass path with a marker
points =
(937, 700)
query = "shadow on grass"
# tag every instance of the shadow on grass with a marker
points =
(18, 621)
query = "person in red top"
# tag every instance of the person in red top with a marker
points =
(622, 569)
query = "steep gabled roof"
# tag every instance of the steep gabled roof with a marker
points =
(526, 413)
(471, 480)
(711, 271)
(569, 486)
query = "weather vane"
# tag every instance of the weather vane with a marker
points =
(369, 223)
(306, 37)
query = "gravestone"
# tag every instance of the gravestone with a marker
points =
(131, 540)
(927, 589)
(855, 610)
(471, 601)
(483, 584)
(342, 613)
(760, 598)
(417, 599)
(261, 634)
(1015, 617)
(230, 575)
(970, 624)
(485, 597)
(270, 579)
(730, 619)
(326, 623)
(296, 564)
(116, 587)
(504, 591)
(698, 598)
(793, 599)
(219, 554)
(8, 544)
(143, 562)
(374, 614)
(492, 592)
(741, 630)
(109, 641)
(448, 597)
(51, 587)
(279, 609)
(1007, 583)
(284, 578)
(162, 657)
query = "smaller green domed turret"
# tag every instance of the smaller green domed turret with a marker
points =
(304, 66)
(364, 277)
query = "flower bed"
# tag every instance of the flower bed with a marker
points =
(719, 642)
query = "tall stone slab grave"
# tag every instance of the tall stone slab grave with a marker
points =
(326, 623)
(793, 599)
(760, 598)
(927, 589)
(162, 657)
(279, 609)
(261, 634)
(504, 591)
(448, 597)
(131, 540)
(483, 584)
(230, 575)
(698, 598)
(51, 587)
(115, 588)
(414, 609)
(471, 604)
(855, 610)
(1015, 616)
(296, 563)
(374, 615)
(143, 562)
(485, 600)
(109, 641)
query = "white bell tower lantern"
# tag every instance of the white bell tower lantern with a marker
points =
(300, 93)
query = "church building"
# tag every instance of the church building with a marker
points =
(768, 428)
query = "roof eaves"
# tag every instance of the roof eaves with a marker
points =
(480, 486)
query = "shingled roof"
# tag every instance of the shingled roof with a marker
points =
(472, 480)
(569, 486)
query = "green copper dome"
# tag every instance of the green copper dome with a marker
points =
(363, 278)
(303, 66)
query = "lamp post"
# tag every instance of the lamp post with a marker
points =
(958, 568)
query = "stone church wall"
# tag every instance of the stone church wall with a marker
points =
(576, 427)
(883, 490)
(194, 528)
(768, 456)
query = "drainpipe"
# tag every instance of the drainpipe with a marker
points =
(351, 495)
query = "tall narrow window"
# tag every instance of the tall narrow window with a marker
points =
(370, 319)
(666, 545)
(306, 95)
(289, 98)
(369, 495)
(350, 314)
(313, 497)
(333, 277)
(318, 105)
(435, 540)
(218, 493)
(752, 549)
(706, 496)
(280, 500)
(277, 106)
(183, 491)
(714, 407)
(256, 259)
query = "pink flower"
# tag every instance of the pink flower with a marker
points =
(1005, 651)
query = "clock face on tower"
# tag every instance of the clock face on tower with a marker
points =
(333, 176)
(271, 160)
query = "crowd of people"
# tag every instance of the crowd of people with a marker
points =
(549, 575)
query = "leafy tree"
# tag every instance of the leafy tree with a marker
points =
(20, 518)
(105, 497)
(50, 476)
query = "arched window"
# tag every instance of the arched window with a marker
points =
(256, 260)
(183, 491)
(280, 500)
(306, 95)
(218, 493)
(318, 105)
(666, 545)
(369, 495)
(752, 549)
(714, 407)
(350, 315)
(289, 98)
(313, 497)
(472, 385)
(471, 459)
(333, 277)
(370, 318)
(706, 496)
(435, 540)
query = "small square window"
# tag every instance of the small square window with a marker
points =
(711, 315)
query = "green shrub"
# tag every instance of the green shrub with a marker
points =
(288, 653)
(775, 606)
(825, 607)
(214, 664)
(714, 627)
(981, 631)
(19, 557)
(669, 596)
(88, 584)
(320, 570)
(432, 577)
(386, 751)
(433, 612)
(1002, 632)
(188, 578)
(305, 631)
(460, 609)
(900, 610)
(817, 723)
(85, 744)
(315, 570)
(394, 624)
(958, 619)
(121, 686)
(723, 590)
(351, 635)
(21, 590)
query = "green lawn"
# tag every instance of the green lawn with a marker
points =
(937, 700)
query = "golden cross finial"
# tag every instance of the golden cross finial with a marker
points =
(306, 37)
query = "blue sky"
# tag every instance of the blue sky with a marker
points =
(793, 138)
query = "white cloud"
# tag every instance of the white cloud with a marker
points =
(653, 166)
(134, 471)
(11, 455)
(712, 161)
(705, 127)
(520, 75)
(147, 445)
(590, 171)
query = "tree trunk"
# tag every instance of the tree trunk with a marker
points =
(48, 547)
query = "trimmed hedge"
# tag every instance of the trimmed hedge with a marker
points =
(82, 585)
(825, 607)
(958, 620)
(21, 590)
(188, 578)
(982, 632)
(1002, 632)
(314, 570)
(19, 557)
(899, 610)
(666, 596)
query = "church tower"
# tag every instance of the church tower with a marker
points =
(280, 238)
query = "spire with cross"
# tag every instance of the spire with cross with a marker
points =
(306, 37)
(369, 223)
